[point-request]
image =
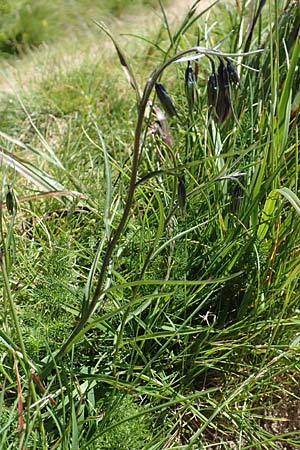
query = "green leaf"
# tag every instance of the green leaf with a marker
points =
(267, 214)
(291, 197)
(284, 107)
(123, 60)
(38, 177)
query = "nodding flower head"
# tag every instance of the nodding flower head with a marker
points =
(11, 203)
(190, 76)
(223, 75)
(165, 99)
(212, 90)
(232, 73)
(223, 102)
(236, 198)
(190, 86)
(181, 192)
(223, 105)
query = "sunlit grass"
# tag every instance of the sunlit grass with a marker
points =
(154, 305)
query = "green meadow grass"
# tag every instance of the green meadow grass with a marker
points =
(149, 243)
(27, 24)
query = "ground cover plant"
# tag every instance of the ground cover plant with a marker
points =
(150, 241)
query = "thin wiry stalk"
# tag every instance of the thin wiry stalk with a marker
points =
(98, 294)
(5, 274)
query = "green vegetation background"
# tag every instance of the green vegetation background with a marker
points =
(195, 344)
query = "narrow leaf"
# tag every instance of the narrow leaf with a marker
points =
(38, 177)
(267, 214)
(285, 102)
(124, 63)
(291, 197)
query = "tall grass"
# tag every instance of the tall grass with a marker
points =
(150, 295)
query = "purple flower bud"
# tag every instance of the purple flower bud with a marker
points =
(11, 203)
(233, 76)
(236, 198)
(223, 105)
(190, 86)
(223, 76)
(223, 102)
(212, 90)
(165, 99)
(181, 193)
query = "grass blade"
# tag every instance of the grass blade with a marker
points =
(38, 177)
(123, 60)
(291, 197)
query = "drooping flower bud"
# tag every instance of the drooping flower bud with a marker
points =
(223, 102)
(190, 86)
(11, 203)
(223, 105)
(212, 90)
(181, 193)
(236, 198)
(223, 76)
(232, 73)
(165, 99)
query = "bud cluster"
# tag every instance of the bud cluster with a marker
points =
(218, 89)
(219, 104)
